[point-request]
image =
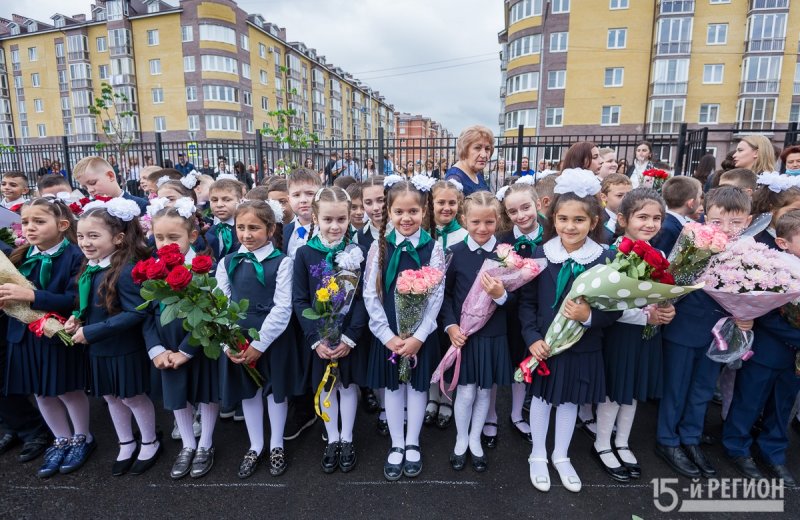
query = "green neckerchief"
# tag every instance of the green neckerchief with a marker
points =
(394, 261)
(258, 266)
(316, 244)
(451, 226)
(568, 269)
(523, 240)
(46, 260)
(85, 289)
(225, 233)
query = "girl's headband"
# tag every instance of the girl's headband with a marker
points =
(582, 183)
(121, 208)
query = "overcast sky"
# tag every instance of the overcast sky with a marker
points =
(438, 58)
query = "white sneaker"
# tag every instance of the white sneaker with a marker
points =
(540, 481)
(569, 478)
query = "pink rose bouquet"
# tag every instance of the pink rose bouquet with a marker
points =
(694, 249)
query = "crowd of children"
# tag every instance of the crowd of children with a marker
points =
(267, 245)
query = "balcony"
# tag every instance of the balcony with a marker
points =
(318, 85)
(665, 127)
(127, 107)
(121, 50)
(4, 92)
(677, 6)
(123, 79)
(766, 45)
(61, 60)
(81, 111)
(501, 119)
(769, 4)
(503, 64)
(317, 107)
(23, 116)
(680, 47)
(502, 92)
(661, 88)
(796, 89)
(15, 66)
(5, 118)
(755, 125)
(63, 87)
(78, 56)
(294, 74)
(66, 113)
(85, 138)
(20, 93)
(760, 87)
(81, 83)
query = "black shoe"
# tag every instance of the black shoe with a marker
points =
(299, 420)
(140, 466)
(202, 462)
(182, 464)
(697, 456)
(393, 472)
(781, 471)
(619, 473)
(708, 440)
(747, 467)
(120, 467)
(79, 451)
(8, 441)
(347, 456)
(369, 400)
(634, 469)
(412, 469)
(526, 436)
(490, 441)
(479, 464)
(796, 425)
(33, 448)
(382, 425)
(677, 459)
(277, 462)
(457, 462)
(443, 421)
(249, 464)
(330, 457)
(430, 417)
(584, 426)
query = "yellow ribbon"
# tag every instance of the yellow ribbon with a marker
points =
(330, 374)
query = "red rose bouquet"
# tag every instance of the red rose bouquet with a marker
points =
(654, 178)
(189, 293)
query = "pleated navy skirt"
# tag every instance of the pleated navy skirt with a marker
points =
(485, 361)
(46, 367)
(122, 376)
(516, 344)
(633, 365)
(575, 377)
(385, 374)
(196, 381)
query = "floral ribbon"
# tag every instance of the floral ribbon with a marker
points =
(568, 269)
(451, 359)
(330, 375)
(46, 261)
(37, 327)
(527, 375)
(405, 245)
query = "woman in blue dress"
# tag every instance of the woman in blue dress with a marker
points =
(474, 147)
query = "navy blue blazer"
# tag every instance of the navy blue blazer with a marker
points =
(695, 316)
(765, 238)
(536, 310)
(212, 241)
(60, 294)
(776, 342)
(670, 231)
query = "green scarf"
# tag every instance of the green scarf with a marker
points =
(569, 269)
(238, 258)
(316, 244)
(405, 245)
(525, 241)
(46, 268)
(85, 289)
(451, 226)
(225, 233)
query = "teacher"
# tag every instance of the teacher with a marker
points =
(474, 147)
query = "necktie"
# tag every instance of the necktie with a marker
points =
(405, 245)
(46, 260)
(225, 234)
(85, 289)
(451, 226)
(238, 258)
(569, 269)
(330, 257)
(301, 232)
(525, 241)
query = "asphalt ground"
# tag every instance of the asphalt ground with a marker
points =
(504, 491)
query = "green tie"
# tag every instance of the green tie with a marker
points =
(225, 234)
(525, 241)
(316, 244)
(258, 266)
(451, 226)
(85, 289)
(394, 261)
(568, 269)
(46, 268)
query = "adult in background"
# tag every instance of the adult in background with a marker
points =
(45, 169)
(474, 147)
(329, 175)
(222, 166)
(583, 154)
(441, 171)
(641, 162)
(609, 164)
(347, 167)
(184, 166)
(428, 171)
(497, 178)
(206, 169)
(409, 171)
(790, 158)
(132, 176)
(622, 166)
(525, 167)
(55, 167)
(705, 168)
(388, 163)
(369, 168)
(755, 153)
(241, 174)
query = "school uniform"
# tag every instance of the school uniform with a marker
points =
(45, 366)
(450, 234)
(141, 202)
(118, 361)
(367, 235)
(383, 318)
(214, 238)
(269, 311)
(670, 231)
(294, 236)
(577, 375)
(13, 205)
(485, 358)
(196, 381)
(633, 365)
(608, 219)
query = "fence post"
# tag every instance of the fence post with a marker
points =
(681, 149)
(159, 152)
(67, 162)
(520, 130)
(382, 171)
(790, 135)
(259, 162)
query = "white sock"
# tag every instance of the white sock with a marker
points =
(332, 425)
(491, 416)
(380, 393)
(479, 411)
(121, 419)
(566, 413)
(208, 419)
(277, 421)
(416, 416)
(145, 414)
(517, 400)
(77, 404)
(463, 415)
(539, 422)
(184, 419)
(434, 396)
(627, 412)
(348, 407)
(254, 420)
(395, 409)
(606, 416)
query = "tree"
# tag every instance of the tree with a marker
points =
(110, 110)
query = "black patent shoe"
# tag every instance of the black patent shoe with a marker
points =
(677, 459)
(347, 456)
(202, 462)
(412, 469)
(585, 425)
(457, 462)
(33, 448)
(248, 465)
(747, 467)
(382, 425)
(277, 462)
(140, 466)
(182, 464)
(430, 416)
(369, 400)
(8, 441)
(619, 473)
(697, 456)
(634, 469)
(330, 458)
(120, 467)
(781, 471)
(490, 441)
(524, 435)
(479, 464)
(443, 421)
(393, 472)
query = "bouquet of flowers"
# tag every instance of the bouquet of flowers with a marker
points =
(693, 250)
(191, 294)
(748, 280)
(12, 235)
(48, 323)
(617, 286)
(513, 271)
(413, 288)
(654, 178)
(332, 300)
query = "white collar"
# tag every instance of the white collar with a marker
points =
(297, 224)
(48, 252)
(488, 246)
(189, 256)
(376, 231)
(414, 239)
(105, 262)
(329, 245)
(231, 221)
(532, 235)
(10, 203)
(681, 218)
(261, 253)
(611, 214)
(556, 254)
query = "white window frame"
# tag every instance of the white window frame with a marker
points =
(101, 42)
(38, 105)
(217, 33)
(41, 128)
(709, 109)
(191, 93)
(713, 73)
(189, 64)
(263, 77)
(152, 37)
(244, 42)
(246, 70)
(525, 46)
(525, 82)
(158, 95)
(159, 124)
(557, 79)
(618, 4)
(559, 42)
(33, 54)
(554, 117)
(610, 115)
(560, 6)
(155, 67)
(524, 9)
(614, 83)
(187, 33)
(613, 40)
(766, 122)
(193, 123)
(100, 72)
(713, 33)
(35, 80)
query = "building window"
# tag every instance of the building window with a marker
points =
(666, 115)
(709, 114)
(556, 79)
(152, 37)
(35, 79)
(213, 63)
(522, 82)
(560, 6)
(194, 123)
(103, 71)
(618, 4)
(769, 4)
(187, 33)
(217, 33)
(245, 70)
(160, 124)
(188, 64)
(32, 54)
(153, 7)
(264, 103)
(717, 34)
(158, 95)
(191, 93)
(559, 42)
(18, 81)
(116, 9)
(102, 44)
(674, 36)
(610, 115)
(524, 46)
(42, 130)
(756, 113)
(794, 113)
(220, 93)
(262, 51)
(614, 77)
(38, 105)
(263, 77)
(713, 73)
(249, 126)
(617, 38)
(223, 123)
(244, 41)
(671, 77)
(677, 6)
(554, 116)
(761, 74)
(247, 98)
(155, 67)
(525, 9)
(526, 118)
(712, 2)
